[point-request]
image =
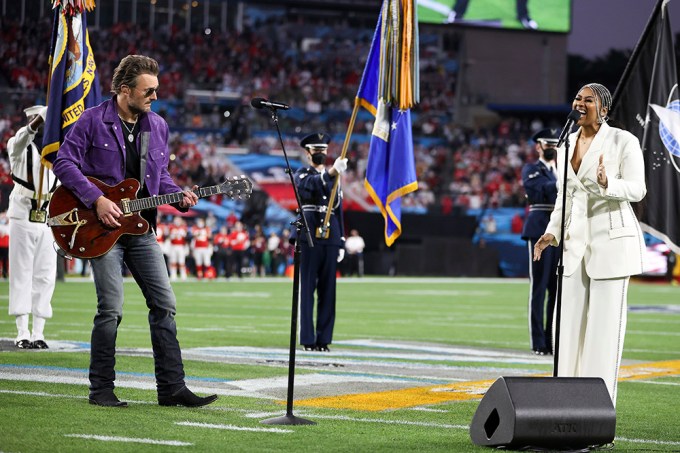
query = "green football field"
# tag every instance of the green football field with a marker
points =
(551, 15)
(410, 361)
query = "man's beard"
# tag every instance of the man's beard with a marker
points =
(135, 109)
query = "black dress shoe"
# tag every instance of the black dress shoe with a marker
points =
(23, 344)
(106, 399)
(185, 397)
(40, 344)
(323, 348)
(309, 347)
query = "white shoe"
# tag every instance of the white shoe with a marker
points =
(452, 17)
(528, 23)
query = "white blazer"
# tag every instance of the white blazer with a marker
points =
(600, 225)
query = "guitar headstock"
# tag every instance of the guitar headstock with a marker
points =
(237, 188)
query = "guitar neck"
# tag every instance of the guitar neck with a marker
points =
(141, 204)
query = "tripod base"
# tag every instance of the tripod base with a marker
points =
(288, 419)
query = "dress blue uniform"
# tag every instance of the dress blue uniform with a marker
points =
(540, 185)
(318, 264)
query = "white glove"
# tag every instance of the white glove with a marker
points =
(39, 110)
(341, 255)
(340, 164)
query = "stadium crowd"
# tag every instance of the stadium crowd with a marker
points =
(313, 67)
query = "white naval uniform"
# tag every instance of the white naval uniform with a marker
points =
(603, 247)
(32, 257)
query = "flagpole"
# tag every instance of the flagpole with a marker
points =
(47, 100)
(638, 48)
(324, 230)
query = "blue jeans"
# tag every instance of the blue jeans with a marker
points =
(143, 257)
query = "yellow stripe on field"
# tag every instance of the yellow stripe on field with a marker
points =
(459, 391)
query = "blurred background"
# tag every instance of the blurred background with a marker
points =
(488, 80)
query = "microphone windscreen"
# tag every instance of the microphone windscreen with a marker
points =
(574, 115)
(257, 102)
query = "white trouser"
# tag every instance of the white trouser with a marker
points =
(178, 254)
(202, 256)
(33, 268)
(592, 327)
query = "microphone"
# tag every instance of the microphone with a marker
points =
(260, 103)
(573, 116)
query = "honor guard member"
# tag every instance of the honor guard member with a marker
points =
(540, 185)
(32, 257)
(318, 264)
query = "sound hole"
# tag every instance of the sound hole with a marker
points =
(491, 424)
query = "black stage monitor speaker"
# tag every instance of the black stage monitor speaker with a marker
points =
(550, 412)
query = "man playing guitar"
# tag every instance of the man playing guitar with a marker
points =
(119, 139)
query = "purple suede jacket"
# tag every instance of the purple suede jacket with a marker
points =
(94, 147)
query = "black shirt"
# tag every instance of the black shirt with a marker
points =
(133, 167)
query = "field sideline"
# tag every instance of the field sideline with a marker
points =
(411, 359)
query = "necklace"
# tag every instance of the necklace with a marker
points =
(131, 135)
(585, 140)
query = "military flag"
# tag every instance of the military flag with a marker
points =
(389, 88)
(647, 104)
(73, 83)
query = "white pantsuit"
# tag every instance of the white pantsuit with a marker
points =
(603, 247)
(32, 257)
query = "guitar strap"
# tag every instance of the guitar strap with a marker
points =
(143, 156)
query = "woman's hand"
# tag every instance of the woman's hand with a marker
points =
(542, 243)
(601, 173)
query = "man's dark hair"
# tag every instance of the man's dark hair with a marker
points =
(130, 68)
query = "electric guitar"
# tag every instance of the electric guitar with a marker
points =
(78, 231)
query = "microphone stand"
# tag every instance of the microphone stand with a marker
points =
(560, 254)
(301, 226)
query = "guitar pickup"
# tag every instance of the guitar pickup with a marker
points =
(125, 207)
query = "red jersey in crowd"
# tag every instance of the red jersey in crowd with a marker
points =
(201, 236)
(221, 240)
(177, 234)
(239, 238)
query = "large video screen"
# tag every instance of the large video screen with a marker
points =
(534, 15)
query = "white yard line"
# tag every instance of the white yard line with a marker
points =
(234, 427)
(656, 332)
(135, 440)
(654, 382)
(434, 6)
(385, 421)
(646, 441)
(381, 351)
(121, 383)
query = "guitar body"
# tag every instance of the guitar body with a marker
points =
(78, 231)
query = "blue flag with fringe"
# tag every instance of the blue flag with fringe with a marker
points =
(73, 80)
(388, 89)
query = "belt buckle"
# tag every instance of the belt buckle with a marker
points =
(37, 216)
